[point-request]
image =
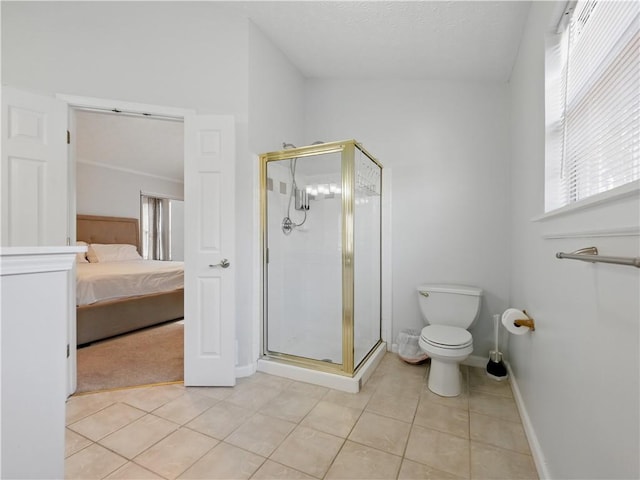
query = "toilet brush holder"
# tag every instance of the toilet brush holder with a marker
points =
(495, 367)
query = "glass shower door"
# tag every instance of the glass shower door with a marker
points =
(367, 255)
(304, 257)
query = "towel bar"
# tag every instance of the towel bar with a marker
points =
(590, 254)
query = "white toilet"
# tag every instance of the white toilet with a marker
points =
(448, 310)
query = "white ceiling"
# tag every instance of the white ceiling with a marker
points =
(469, 40)
(462, 40)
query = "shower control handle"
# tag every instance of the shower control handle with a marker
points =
(224, 263)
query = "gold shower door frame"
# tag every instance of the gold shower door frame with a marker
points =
(347, 148)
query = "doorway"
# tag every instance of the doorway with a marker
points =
(125, 162)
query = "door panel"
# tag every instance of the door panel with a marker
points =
(209, 251)
(35, 198)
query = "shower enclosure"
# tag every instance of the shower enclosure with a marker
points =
(321, 238)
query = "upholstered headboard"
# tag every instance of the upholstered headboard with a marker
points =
(97, 229)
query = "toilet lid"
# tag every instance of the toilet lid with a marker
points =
(446, 336)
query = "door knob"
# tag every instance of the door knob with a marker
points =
(224, 263)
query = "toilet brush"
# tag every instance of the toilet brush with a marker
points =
(495, 367)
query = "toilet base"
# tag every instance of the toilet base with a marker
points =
(444, 378)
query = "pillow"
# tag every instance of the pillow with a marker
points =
(82, 256)
(103, 253)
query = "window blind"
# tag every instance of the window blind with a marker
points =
(598, 148)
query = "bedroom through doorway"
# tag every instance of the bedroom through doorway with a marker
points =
(129, 190)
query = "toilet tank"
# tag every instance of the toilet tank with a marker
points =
(454, 305)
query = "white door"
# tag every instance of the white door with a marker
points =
(35, 184)
(34, 170)
(209, 333)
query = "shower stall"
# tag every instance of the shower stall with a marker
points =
(321, 242)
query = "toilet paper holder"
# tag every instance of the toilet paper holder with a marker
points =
(525, 322)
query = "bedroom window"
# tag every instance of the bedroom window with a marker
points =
(161, 218)
(592, 102)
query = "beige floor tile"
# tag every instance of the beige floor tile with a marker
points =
(80, 406)
(92, 462)
(488, 462)
(175, 453)
(301, 427)
(392, 405)
(380, 432)
(409, 386)
(439, 450)
(352, 400)
(150, 398)
(185, 408)
(292, 407)
(225, 461)
(446, 419)
(271, 381)
(411, 381)
(411, 470)
(253, 395)
(272, 470)
(307, 389)
(218, 393)
(74, 442)
(131, 471)
(479, 380)
(220, 420)
(494, 406)
(332, 418)
(357, 461)
(500, 433)
(374, 380)
(106, 421)
(136, 437)
(392, 363)
(261, 434)
(308, 450)
(461, 401)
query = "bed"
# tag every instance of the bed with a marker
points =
(102, 312)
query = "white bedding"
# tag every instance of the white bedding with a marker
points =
(107, 281)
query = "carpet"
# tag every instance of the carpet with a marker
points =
(152, 355)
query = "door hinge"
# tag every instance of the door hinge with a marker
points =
(68, 351)
(267, 256)
(68, 137)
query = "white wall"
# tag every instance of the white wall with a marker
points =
(179, 54)
(106, 191)
(276, 90)
(276, 96)
(447, 144)
(579, 371)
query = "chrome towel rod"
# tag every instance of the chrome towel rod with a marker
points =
(590, 254)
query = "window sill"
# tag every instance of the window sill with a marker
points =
(628, 190)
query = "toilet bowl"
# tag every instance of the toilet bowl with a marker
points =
(448, 347)
(448, 310)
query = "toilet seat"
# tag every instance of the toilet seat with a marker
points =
(446, 337)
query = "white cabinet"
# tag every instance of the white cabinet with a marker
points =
(35, 308)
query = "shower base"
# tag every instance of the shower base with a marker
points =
(353, 384)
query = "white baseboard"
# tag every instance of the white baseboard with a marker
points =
(246, 370)
(536, 450)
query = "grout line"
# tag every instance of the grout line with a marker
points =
(390, 371)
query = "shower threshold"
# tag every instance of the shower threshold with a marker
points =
(330, 380)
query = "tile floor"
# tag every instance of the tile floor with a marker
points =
(270, 427)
